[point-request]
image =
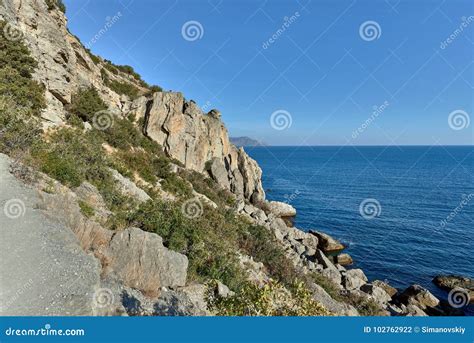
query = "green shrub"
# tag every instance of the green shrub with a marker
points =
(270, 300)
(176, 185)
(85, 104)
(52, 4)
(209, 188)
(86, 209)
(93, 57)
(109, 66)
(327, 285)
(124, 88)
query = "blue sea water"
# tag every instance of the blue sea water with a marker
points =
(417, 188)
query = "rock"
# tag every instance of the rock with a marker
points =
(216, 114)
(332, 274)
(413, 310)
(142, 262)
(218, 172)
(377, 293)
(336, 307)
(180, 302)
(419, 296)
(204, 199)
(255, 271)
(344, 259)
(354, 279)
(193, 138)
(321, 257)
(386, 287)
(222, 290)
(91, 195)
(327, 243)
(259, 215)
(127, 187)
(281, 209)
(450, 282)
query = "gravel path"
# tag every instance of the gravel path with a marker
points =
(43, 270)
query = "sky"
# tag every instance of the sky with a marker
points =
(319, 72)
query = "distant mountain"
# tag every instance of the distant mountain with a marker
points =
(245, 141)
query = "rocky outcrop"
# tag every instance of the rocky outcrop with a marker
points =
(129, 188)
(141, 260)
(451, 282)
(281, 209)
(201, 142)
(327, 243)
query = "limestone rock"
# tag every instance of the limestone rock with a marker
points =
(327, 243)
(418, 296)
(344, 259)
(91, 195)
(354, 279)
(141, 260)
(193, 138)
(127, 187)
(377, 293)
(386, 287)
(281, 209)
(450, 282)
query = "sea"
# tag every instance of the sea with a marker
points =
(405, 213)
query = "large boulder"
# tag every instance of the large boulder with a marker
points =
(386, 287)
(327, 243)
(129, 188)
(344, 259)
(354, 279)
(376, 293)
(142, 262)
(418, 296)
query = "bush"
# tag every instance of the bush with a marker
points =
(86, 209)
(52, 4)
(124, 88)
(85, 104)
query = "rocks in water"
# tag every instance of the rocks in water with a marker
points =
(354, 279)
(386, 287)
(142, 262)
(327, 243)
(281, 209)
(456, 282)
(418, 296)
(127, 187)
(344, 259)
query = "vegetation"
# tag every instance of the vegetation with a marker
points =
(84, 105)
(124, 88)
(52, 4)
(86, 209)
(21, 98)
(270, 300)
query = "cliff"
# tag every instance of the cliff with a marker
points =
(165, 214)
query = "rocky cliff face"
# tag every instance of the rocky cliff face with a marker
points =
(197, 140)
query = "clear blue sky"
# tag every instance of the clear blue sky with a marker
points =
(319, 69)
